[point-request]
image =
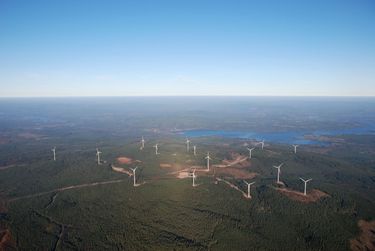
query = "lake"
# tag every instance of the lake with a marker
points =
(290, 137)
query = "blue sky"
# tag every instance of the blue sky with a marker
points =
(187, 47)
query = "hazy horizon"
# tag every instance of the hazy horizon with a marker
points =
(192, 96)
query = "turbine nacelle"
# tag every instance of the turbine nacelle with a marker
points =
(208, 156)
(279, 166)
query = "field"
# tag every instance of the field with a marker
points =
(75, 204)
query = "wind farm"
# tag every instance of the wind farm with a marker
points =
(229, 182)
(187, 125)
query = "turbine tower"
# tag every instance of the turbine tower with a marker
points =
(98, 155)
(134, 184)
(156, 149)
(195, 150)
(278, 172)
(143, 143)
(250, 150)
(187, 144)
(194, 177)
(295, 148)
(208, 161)
(305, 181)
(248, 188)
(54, 153)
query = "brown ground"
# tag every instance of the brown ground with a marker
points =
(312, 195)
(174, 166)
(237, 160)
(124, 160)
(233, 186)
(177, 167)
(183, 174)
(6, 241)
(235, 172)
(366, 239)
(165, 165)
(181, 170)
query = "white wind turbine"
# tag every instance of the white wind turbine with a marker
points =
(156, 149)
(278, 172)
(194, 177)
(187, 144)
(208, 161)
(98, 155)
(248, 188)
(250, 150)
(195, 150)
(305, 181)
(295, 148)
(134, 184)
(261, 143)
(54, 153)
(143, 143)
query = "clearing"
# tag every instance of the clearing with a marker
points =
(237, 159)
(235, 173)
(6, 240)
(165, 165)
(312, 196)
(366, 239)
(124, 160)
(233, 186)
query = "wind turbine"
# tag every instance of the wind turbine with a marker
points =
(193, 176)
(248, 188)
(143, 143)
(54, 153)
(278, 172)
(98, 155)
(187, 144)
(295, 148)
(195, 150)
(250, 150)
(156, 149)
(208, 161)
(134, 184)
(261, 143)
(305, 181)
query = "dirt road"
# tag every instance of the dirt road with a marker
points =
(68, 188)
(233, 186)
